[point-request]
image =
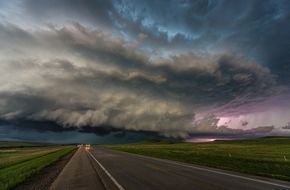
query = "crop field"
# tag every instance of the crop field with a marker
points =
(21, 161)
(269, 157)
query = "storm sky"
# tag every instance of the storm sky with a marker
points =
(72, 70)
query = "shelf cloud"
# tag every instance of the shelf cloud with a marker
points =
(111, 66)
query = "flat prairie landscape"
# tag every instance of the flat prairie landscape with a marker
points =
(21, 161)
(269, 157)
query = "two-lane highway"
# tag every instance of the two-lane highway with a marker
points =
(140, 172)
(95, 168)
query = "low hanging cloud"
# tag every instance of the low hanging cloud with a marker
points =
(76, 76)
(287, 127)
(209, 125)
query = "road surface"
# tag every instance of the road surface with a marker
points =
(79, 173)
(125, 171)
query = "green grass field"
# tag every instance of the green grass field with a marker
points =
(24, 160)
(269, 157)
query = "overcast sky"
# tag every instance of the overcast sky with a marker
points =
(117, 70)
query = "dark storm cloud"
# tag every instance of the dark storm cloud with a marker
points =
(100, 130)
(44, 126)
(209, 126)
(99, 12)
(105, 81)
(141, 65)
(287, 126)
(10, 133)
(30, 125)
(248, 24)
(257, 28)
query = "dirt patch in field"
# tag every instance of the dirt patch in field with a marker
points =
(46, 177)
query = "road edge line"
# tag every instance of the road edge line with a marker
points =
(106, 171)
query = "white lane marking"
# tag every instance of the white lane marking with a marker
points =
(106, 171)
(208, 170)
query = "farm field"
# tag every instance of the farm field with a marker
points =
(269, 157)
(21, 161)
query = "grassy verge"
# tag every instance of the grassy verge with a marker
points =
(12, 156)
(269, 157)
(21, 164)
(6, 144)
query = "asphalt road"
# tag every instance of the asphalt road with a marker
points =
(78, 174)
(120, 170)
